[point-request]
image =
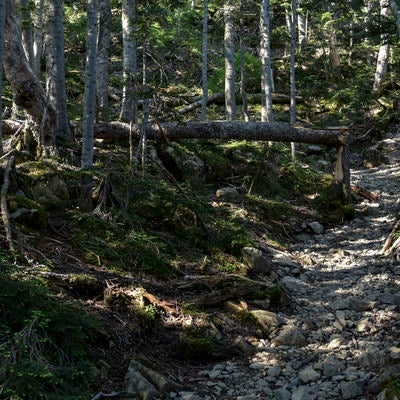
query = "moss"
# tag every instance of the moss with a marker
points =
(32, 215)
(273, 293)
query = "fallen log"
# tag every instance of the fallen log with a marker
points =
(226, 130)
(338, 137)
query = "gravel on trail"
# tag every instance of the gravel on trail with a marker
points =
(341, 330)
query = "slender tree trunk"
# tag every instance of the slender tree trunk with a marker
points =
(396, 13)
(229, 47)
(89, 106)
(55, 69)
(26, 29)
(103, 53)
(293, 41)
(2, 18)
(37, 36)
(266, 73)
(28, 91)
(128, 110)
(384, 51)
(302, 25)
(204, 63)
(242, 65)
(90, 86)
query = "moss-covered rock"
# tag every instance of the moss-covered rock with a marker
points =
(27, 212)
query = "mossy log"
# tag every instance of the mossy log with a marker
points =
(226, 287)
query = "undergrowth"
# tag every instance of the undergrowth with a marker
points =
(47, 345)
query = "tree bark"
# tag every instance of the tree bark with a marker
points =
(384, 51)
(90, 86)
(102, 62)
(37, 36)
(229, 48)
(2, 18)
(26, 29)
(128, 109)
(267, 114)
(204, 62)
(226, 130)
(28, 91)
(55, 74)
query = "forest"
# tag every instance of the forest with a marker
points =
(158, 160)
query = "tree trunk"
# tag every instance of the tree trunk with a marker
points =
(128, 110)
(302, 24)
(229, 48)
(28, 91)
(226, 130)
(204, 63)
(266, 73)
(396, 13)
(37, 36)
(293, 41)
(384, 51)
(243, 93)
(26, 29)
(89, 106)
(2, 18)
(103, 53)
(90, 86)
(55, 69)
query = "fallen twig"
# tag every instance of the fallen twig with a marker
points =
(112, 394)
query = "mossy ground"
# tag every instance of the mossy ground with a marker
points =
(148, 229)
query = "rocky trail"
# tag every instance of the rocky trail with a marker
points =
(339, 333)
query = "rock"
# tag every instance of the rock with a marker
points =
(315, 228)
(331, 366)
(309, 374)
(144, 382)
(290, 336)
(357, 304)
(256, 261)
(282, 394)
(244, 347)
(301, 394)
(228, 193)
(189, 396)
(267, 320)
(350, 390)
(136, 384)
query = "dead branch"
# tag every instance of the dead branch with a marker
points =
(364, 193)
(112, 394)
(4, 208)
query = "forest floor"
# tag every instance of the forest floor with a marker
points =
(338, 313)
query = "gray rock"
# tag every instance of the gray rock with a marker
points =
(256, 261)
(351, 390)
(282, 394)
(291, 336)
(267, 320)
(358, 304)
(189, 396)
(309, 374)
(301, 394)
(316, 228)
(228, 193)
(136, 384)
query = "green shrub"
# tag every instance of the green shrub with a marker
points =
(46, 344)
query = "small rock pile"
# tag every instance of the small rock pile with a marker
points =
(340, 333)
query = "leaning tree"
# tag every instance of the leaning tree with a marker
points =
(41, 126)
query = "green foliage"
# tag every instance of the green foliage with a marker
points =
(118, 248)
(46, 344)
(197, 343)
(392, 388)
